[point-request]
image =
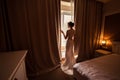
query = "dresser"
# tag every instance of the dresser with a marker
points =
(12, 65)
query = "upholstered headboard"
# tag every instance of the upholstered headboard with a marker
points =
(116, 47)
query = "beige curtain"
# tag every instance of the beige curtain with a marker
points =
(88, 14)
(32, 25)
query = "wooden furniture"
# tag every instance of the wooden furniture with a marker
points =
(101, 52)
(12, 65)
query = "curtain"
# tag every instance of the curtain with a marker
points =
(4, 33)
(88, 14)
(32, 25)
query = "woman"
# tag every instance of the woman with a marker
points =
(69, 56)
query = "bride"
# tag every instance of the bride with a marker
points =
(69, 56)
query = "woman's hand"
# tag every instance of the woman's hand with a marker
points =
(65, 36)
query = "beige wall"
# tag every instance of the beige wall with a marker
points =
(66, 0)
(66, 8)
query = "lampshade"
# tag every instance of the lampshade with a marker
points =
(103, 42)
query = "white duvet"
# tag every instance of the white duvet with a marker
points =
(102, 68)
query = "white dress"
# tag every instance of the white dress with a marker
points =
(69, 56)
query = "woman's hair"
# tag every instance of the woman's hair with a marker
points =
(71, 24)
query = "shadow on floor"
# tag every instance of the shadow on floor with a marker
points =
(57, 74)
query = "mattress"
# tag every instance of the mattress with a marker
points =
(102, 68)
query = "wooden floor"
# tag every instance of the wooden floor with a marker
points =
(57, 74)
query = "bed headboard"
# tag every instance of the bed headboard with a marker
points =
(116, 47)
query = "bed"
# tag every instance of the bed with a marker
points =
(101, 68)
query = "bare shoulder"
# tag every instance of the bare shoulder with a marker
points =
(71, 31)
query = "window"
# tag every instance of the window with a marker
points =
(66, 16)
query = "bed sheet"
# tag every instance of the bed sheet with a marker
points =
(102, 68)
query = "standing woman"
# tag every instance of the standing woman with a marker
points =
(69, 56)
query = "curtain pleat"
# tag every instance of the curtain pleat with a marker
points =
(5, 41)
(88, 28)
(33, 25)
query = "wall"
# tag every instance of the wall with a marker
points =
(111, 16)
(111, 24)
(112, 27)
(111, 7)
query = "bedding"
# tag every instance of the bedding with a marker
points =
(102, 68)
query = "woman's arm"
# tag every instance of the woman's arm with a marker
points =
(65, 36)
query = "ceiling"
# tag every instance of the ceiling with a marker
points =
(66, 4)
(104, 1)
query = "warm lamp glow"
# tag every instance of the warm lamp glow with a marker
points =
(103, 42)
(106, 44)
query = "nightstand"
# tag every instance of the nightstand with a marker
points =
(101, 52)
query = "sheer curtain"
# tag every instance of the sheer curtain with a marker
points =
(88, 14)
(32, 25)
